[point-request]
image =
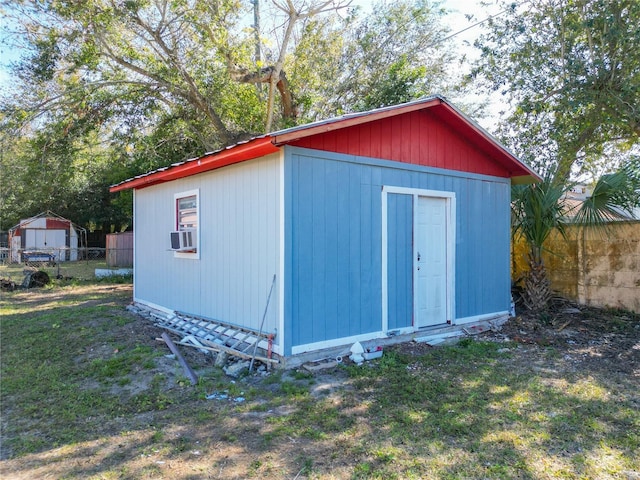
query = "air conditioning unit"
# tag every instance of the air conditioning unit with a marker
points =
(184, 240)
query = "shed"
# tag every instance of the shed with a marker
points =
(45, 237)
(377, 226)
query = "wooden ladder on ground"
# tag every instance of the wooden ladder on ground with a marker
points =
(213, 335)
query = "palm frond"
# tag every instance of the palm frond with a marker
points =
(537, 210)
(614, 197)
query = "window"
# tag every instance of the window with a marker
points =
(185, 237)
(187, 212)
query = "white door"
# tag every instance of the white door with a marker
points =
(51, 241)
(430, 261)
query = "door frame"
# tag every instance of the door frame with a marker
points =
(450, 221)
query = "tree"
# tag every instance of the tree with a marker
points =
(109, 89)
(570, 71)
(275, 74)
(395, 55)
(173, 55)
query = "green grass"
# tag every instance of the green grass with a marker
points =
(470, 397)
(49, 375)
(72, 273)
(72, 366)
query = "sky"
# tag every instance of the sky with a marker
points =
(464, 43)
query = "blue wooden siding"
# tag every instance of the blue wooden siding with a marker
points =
(333, 247)
(333, 272)
(400, 260)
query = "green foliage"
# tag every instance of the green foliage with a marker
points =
(614, 196)
(394, 55)
(537, 210)
(570, 72)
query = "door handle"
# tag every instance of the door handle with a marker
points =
(418, 256)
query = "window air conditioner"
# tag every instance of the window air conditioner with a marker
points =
(183, 240)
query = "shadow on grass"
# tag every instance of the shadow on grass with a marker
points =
(497, 420)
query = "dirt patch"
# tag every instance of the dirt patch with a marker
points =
(594, 339)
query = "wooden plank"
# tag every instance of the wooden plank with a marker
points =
(231, 351)
(190, 373)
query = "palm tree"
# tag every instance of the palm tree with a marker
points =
(541, 208)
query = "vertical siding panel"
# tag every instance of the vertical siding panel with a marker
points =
(462, 248)
(376, 140)
(364, 143)
(434, 153)
(374, 320)
(416, 136)
(386, 140)
(343, 260)
(429, 144)
(319, 250)
(333, 219)
(488, 257)
(303, 245)
(331, 142)
(227, 233)
(347, 140)
(464, 160)
(437, 182)
(355, 261)
(240, 260)
(290, 272)
(504, 214)
(445, 138)
(402, 139)
(478, 248)
(400, 261)
(366, 254)
(257, 266)
(499, 239)
(376, 177)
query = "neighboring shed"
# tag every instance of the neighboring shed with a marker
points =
(376, 224)
(45, 237)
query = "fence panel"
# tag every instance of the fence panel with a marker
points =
(598, 267)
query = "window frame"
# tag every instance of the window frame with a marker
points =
(195, 254)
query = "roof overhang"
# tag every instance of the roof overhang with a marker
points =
(254, 148)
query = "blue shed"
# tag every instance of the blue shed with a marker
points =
(378, 226)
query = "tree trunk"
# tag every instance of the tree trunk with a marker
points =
(265, 75)
(537, 287)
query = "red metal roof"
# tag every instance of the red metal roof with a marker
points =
(326, 134)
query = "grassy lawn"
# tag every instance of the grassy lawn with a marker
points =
(88, 393)
(83, 270)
